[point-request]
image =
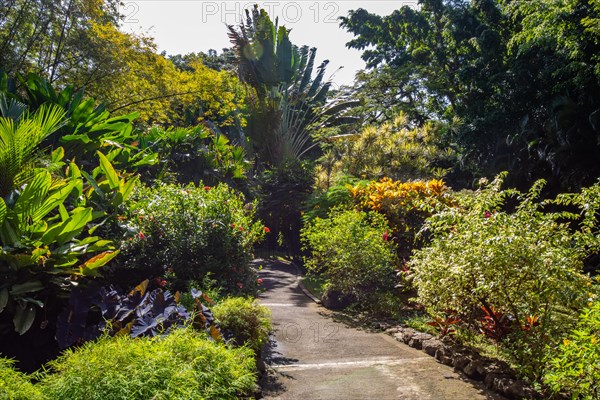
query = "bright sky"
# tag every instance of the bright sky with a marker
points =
(185, 26)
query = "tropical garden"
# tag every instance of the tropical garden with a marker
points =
(454, 187)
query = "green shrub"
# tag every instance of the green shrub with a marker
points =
(515, 275)
(248, 321)
(15, 385)
(182, 365)
(187, 232)
(351, 251)
(575, 368)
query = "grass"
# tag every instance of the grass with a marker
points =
(183, 365)
(15, 385)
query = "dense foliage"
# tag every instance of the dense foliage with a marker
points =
(518, 82)
(184, 364)
(574, 367)
(15, 385)
(246, 321)
(351, 250)
(185, 233)
(507, 266)
(405, 206)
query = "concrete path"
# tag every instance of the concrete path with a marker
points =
(313, 357)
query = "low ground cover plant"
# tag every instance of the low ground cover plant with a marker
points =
(15, 385)
(182, 365)
(244, 320)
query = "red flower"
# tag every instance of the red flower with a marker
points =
(240, 285)
(241, 229)
(160, 282)
(233, 225)
(487, 214)
(206, 187)
(266, 229)
(259, 281)
(141, 235)
(386, 235)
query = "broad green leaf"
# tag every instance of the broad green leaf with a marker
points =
(64, 214)
(94, 184)
(3, 298)
(97, 261)
(109, 171)
(74, 171)
(55, 199)
(27, 287)
(127, 187)
(58, 155)
(8, 234)
(74, 225)
(24, 317)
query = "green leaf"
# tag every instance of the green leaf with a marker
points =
(3, 298)
(127, 187)
(88, 268)
(31, 196)
(2, 211)
(54, 200)
(94, 184)
(27, 287)
(57, 155)
(24, 317)
(74, 225)
(109, 171)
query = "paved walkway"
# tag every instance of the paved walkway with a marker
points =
(313, 357)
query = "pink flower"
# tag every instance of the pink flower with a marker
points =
(240, 285)
(259, 281)
(386, 235)
(487, 214)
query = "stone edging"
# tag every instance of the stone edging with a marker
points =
(495, 374)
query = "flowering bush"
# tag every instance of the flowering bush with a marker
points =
(184, 233)
(406, 205)
(516, 275)
(349, 249)
(576, 366)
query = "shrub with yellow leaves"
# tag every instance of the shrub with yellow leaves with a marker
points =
(405, 205)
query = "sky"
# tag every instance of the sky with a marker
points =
(185, 26)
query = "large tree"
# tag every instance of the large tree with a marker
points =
(516, 81)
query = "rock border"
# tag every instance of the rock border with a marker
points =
(495, 374)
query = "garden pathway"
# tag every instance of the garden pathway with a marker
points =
(313, 357)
